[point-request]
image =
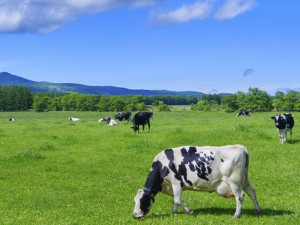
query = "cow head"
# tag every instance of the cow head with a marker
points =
(143, 202)
(280, 121)
(135, 128)
(118, 116)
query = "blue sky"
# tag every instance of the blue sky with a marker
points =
(210, 46)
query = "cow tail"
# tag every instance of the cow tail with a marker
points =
(246, 181)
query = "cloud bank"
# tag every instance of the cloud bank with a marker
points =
(43, 16)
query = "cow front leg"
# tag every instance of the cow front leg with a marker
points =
(280, 134)
(177, 191)
(291, 133)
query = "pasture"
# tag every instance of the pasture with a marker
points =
(54, 171)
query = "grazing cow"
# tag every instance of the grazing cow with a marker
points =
(11, 120)
(141, 118)
(284, 122)
(73, 119)
(244, 113)
(222, 169)
(120, 116)
(109, 121)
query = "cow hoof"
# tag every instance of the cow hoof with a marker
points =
(191, 212)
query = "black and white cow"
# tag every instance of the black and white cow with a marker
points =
(284, 122)
(244, 113)
(123, 115)
(109, 121)
(73, 119)
(141, 118)
(11, 119)
(221, 169)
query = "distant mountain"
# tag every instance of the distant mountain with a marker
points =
(9, 79)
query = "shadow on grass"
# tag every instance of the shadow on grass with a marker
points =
(229, 212)
(294, 141)
(221, 211)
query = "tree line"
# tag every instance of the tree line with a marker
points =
(17, 98)
(81, 102)
(255, 100)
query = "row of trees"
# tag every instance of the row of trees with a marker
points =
(255, 100)
(81, 102)
(15, 98)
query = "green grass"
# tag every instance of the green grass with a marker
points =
(53, 171)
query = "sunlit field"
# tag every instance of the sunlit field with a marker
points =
(53, 171)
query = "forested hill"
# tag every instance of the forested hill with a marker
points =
(9, 79)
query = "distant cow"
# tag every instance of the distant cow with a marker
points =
(284, 122)
(123, 115)
(244, 113)
(109, 121)
(221, 169)
(73, 119)
(11, 120)
(141, 118)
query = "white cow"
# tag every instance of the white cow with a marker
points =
(221, 169)
(109, 121)
(11, 119)
(73, 119)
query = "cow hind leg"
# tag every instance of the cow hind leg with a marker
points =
(251, 193)
(177, 191)
(239, 197)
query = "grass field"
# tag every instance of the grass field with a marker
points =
(53, 171)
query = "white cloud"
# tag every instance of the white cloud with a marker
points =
(44, 16)
(185, 13)
(232, 8)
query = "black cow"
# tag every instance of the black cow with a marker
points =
(244, 113)
(141, 118)
(123, 115)
(284, 122)
(11, 119)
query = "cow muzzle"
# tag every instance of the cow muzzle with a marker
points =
(137, 216)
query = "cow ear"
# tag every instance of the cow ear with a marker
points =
(273, 117)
